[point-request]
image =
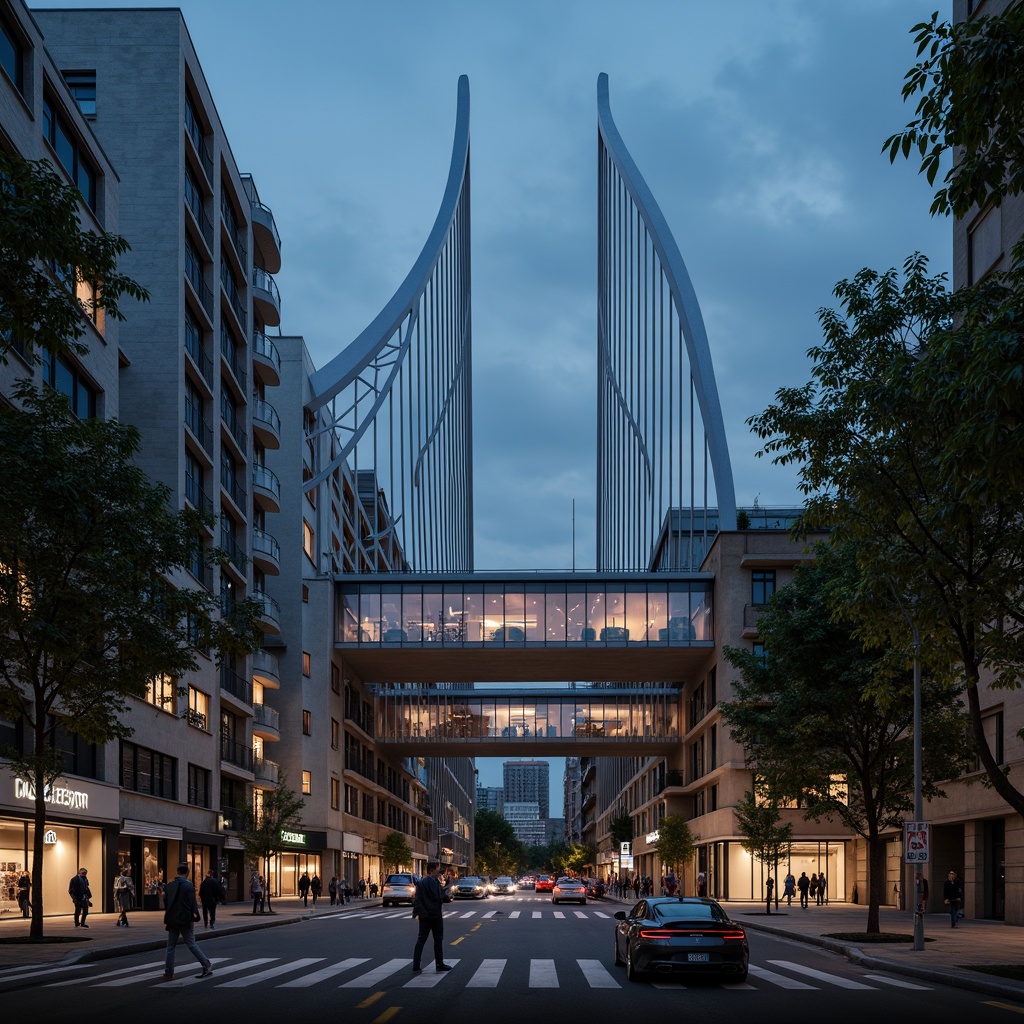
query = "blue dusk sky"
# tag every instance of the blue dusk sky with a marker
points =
(757, 124)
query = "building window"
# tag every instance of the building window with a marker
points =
(307, 783)
(335, 679)
(762, 586)
(335, 794)
(309, 541)
(198, 708)
(82, 85)
(12, 55)
(984, 244)
(66, 378)
(148, 771)
(305, 663)
(335, 733)
(993, 726)
(160, 691)
(307, 723)
(59, 135)
(305, 594)
(198, 786)
(760, 653)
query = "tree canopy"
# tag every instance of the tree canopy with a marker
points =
(88, 613)
(498, 850)
(44, 255)
(676, 843)
(830, 722)
(395, 851)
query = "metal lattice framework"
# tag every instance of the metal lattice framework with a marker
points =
(398, 398)
(662, 451)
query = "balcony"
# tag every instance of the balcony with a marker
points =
(266, 722)
(266, 552)
(201, 429)
(266, 424)
(266, 298)
(266, 771)
(266, 489)
(266, 359)
(264, 228)
(234, 753)
(237, 493)
(270, 613)
(266, 669)
(235, 685)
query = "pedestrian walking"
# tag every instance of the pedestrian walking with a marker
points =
(81, 896)
(362, 888)
(702, 884)
(256, 892)
(124, 895)
(789, 888)
(315, 887)
(822, 885)
(671, 885)
(922, 893)
(803, 883)
(813, 890)
(953, 897)
(343, 893)
(636, 887)
(24, 893)
(304, 888)
(209, 897)
(427, 906)
(332, 889)
(181, 911)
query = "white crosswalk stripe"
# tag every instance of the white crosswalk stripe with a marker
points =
(367, 973)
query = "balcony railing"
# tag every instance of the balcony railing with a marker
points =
(266, 413)
(238, 493)
(266, 771)
(266, 544)
(267, 480)
(267, 717)
(264, 347)
(236, 753)
(230, 353)
(266, 664)
(195, 494)
(271, 609)
(197, 423)
(194, 347)
(238, 686)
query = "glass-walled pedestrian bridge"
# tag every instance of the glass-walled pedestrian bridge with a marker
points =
(423, 641)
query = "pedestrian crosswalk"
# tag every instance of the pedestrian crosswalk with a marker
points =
(463, 914)
(490, 973)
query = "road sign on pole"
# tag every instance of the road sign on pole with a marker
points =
(917, 841)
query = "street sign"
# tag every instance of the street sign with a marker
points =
(917, 841)
(625, 849)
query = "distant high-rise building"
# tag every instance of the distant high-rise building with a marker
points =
(527, 782)
(530, 829)
(490, 798)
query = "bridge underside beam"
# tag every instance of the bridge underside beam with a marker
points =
(536, 747)
(436, 663)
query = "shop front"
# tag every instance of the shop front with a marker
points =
(300, 852)
(81, 827)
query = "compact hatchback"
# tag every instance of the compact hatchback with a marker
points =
(398, 889)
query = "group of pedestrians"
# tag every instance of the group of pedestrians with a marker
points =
(312, 887)
(814, 888)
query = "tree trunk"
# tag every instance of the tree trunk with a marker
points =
(36, 925)
(876, 881)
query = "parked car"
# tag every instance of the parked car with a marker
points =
(504, 886)
(569, 890)
(470, 887)
(680, 935)
(595, 888)
(545, 883)
(399, 888)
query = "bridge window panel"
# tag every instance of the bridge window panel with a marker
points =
(615, 616)
(702, 604)
(494, 610)
(391, 630)
(348, 617)
(433, 611)
(473, 612)
(657, 613)
(680, 626)
(369, 615)
(514, 628)
(453, 627)
(575, 612)
(545, 719)
(554, 613)
(533, 613)
(412, 614)
(638, 624)
(595, 614)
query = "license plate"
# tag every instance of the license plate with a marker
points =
(698, 958)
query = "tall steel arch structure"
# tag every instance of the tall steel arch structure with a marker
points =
(398, 400)
(661, 446)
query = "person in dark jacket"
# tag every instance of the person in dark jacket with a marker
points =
(81, 895)
(803, 883)
(180, 915)
(315, 887)
(427, 906)
(304, 888)
(953, 897)
(209, 897)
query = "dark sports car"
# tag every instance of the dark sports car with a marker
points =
(681, 935)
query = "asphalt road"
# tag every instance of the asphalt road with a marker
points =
(516, 959)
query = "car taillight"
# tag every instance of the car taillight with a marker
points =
(736, 935)
(656, 933)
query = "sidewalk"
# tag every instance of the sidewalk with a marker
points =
(946, 959)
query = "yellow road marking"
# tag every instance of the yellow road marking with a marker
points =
(1004, 1006)
(455, 942)
(370, 1000)
(386, 1015)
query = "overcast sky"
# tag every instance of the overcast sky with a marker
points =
(757, 124)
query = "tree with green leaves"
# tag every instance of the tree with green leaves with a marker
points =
(831, 722)
(263, 829)
(676, 845)
(88, 613)
(395, 852)
(758, 817)
(498, 850)
(621, 831)
(44, 251)
(571, 858)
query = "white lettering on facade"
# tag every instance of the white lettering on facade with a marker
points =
(56, 796)
(293, 837)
